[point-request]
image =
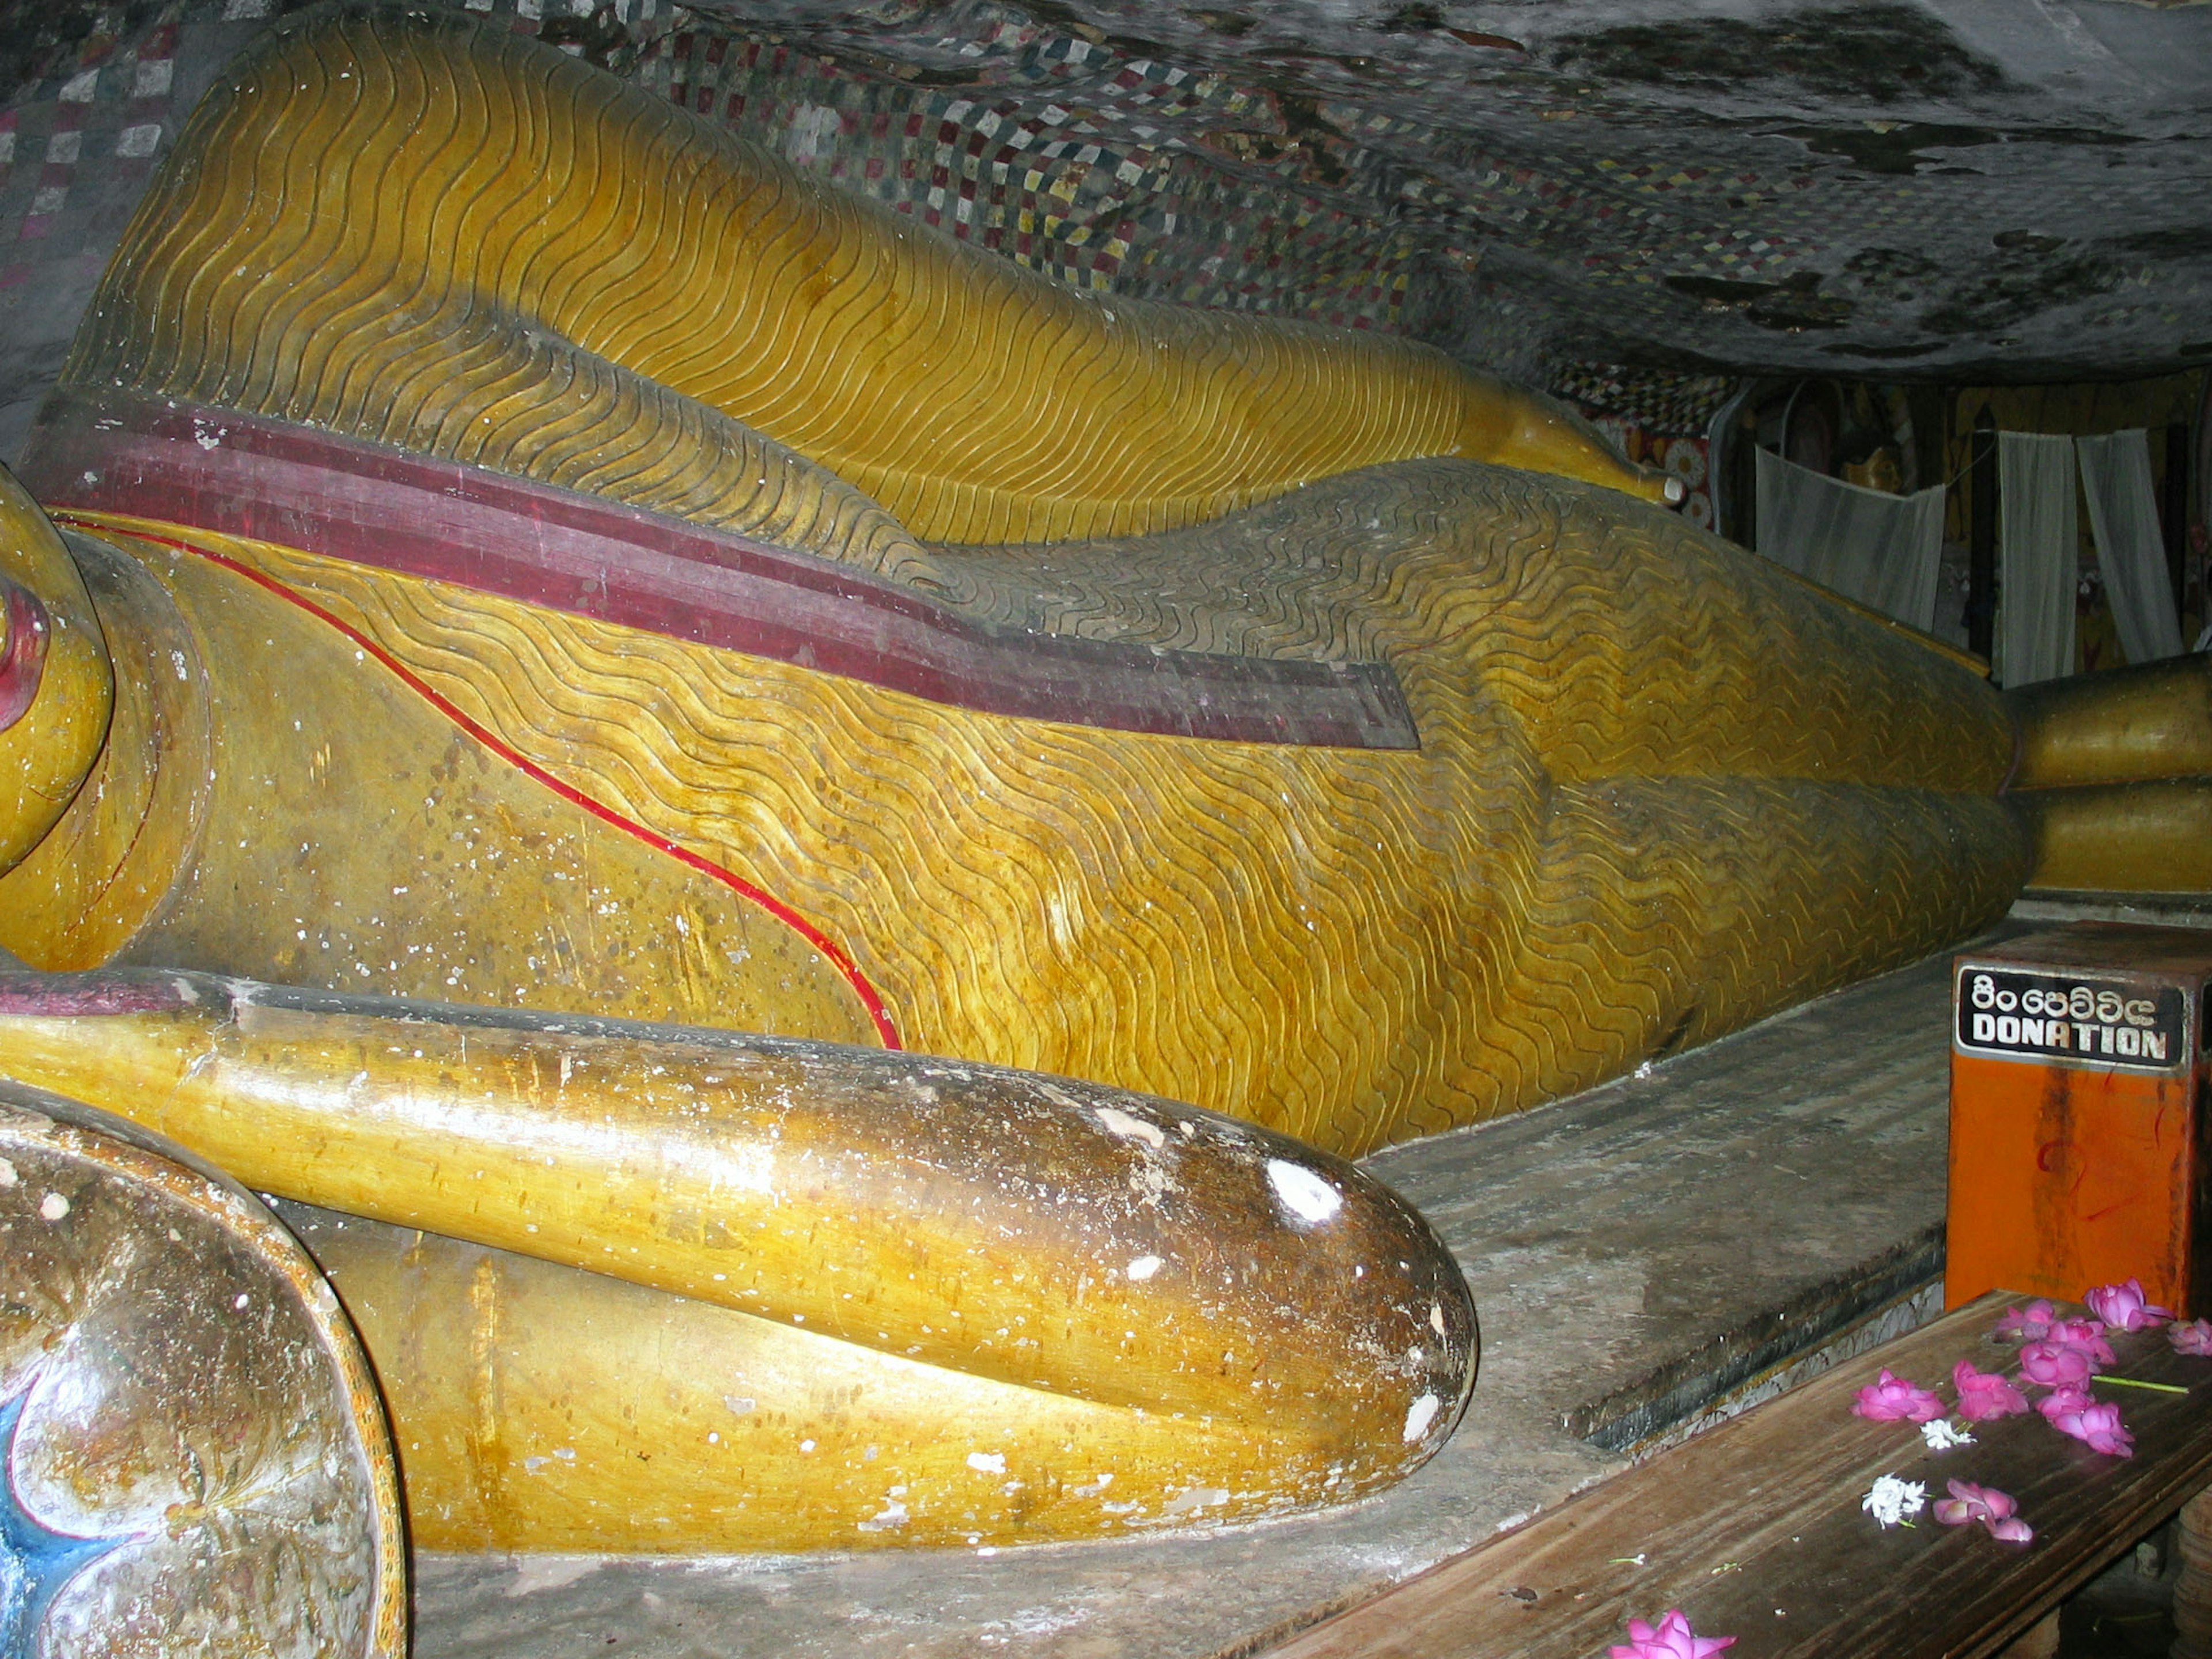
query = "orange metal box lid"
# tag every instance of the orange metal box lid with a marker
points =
(2116, 946)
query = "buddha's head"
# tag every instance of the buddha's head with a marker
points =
(56, 689)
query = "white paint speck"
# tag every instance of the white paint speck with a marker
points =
(894, 1514)
(1195, 1500)
(987, 1462)
(533, 1573)
(53, 1206)
(243, 1303)
(1302, 1193)
(1437, 1317)
(1120, 1123)
(7, 1173)
(1143, 1268)
(1422, 1412)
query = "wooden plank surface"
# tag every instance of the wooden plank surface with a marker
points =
(1755, 1530)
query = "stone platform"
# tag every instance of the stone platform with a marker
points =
(1645, 1256)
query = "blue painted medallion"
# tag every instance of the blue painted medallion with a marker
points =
(36, 1562)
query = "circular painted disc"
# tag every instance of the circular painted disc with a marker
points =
(193, 1455)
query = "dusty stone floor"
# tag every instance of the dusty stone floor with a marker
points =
(1737, 1216)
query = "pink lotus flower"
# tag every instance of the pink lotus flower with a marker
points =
(1986, 1504)
(1672, 1638)
(2072, 1412)
(2194, 1338)
(2028, 1324)
(2069, 1398)
(2122, 1306)
(1984, 1395)
(1889, 1398)
(2054, 1365)
(2084, 1336)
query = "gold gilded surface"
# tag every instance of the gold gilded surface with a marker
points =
(517, 260)
(969, 1252)
(539, 1408)
(54, 660)
(355, 838)
(1352, 947)
(2152, 721)
(113, 860)
(1661, 789)
(186, 1405)
(2149, 837)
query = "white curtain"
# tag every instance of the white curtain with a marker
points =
(2124, 517)
(2037, 540)
(1881, 549)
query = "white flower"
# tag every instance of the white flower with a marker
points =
(1940, 1435)
(1893, 1500)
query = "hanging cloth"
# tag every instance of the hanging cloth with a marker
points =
(1880, 550)
(2124, 517)
(2037, 540)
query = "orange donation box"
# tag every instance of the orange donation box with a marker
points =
(2078, 1151)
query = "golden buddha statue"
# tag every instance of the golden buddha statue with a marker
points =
(544, 554)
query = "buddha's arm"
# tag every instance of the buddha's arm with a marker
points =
(1059, 1238)
(351, 227)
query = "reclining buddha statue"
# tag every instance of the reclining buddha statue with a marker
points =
(523, 550)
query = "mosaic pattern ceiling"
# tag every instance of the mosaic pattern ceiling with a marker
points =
(1622, 202)
(1992, 188)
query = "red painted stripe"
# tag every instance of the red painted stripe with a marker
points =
(219, 472)
(775, 907)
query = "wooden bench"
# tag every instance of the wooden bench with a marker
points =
(1755, 1530)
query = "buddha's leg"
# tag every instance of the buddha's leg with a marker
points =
(1669, 911)
(1096, 1268)
(1633, 645)
(1745, 794)
(431, 231)
(1759, 795)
